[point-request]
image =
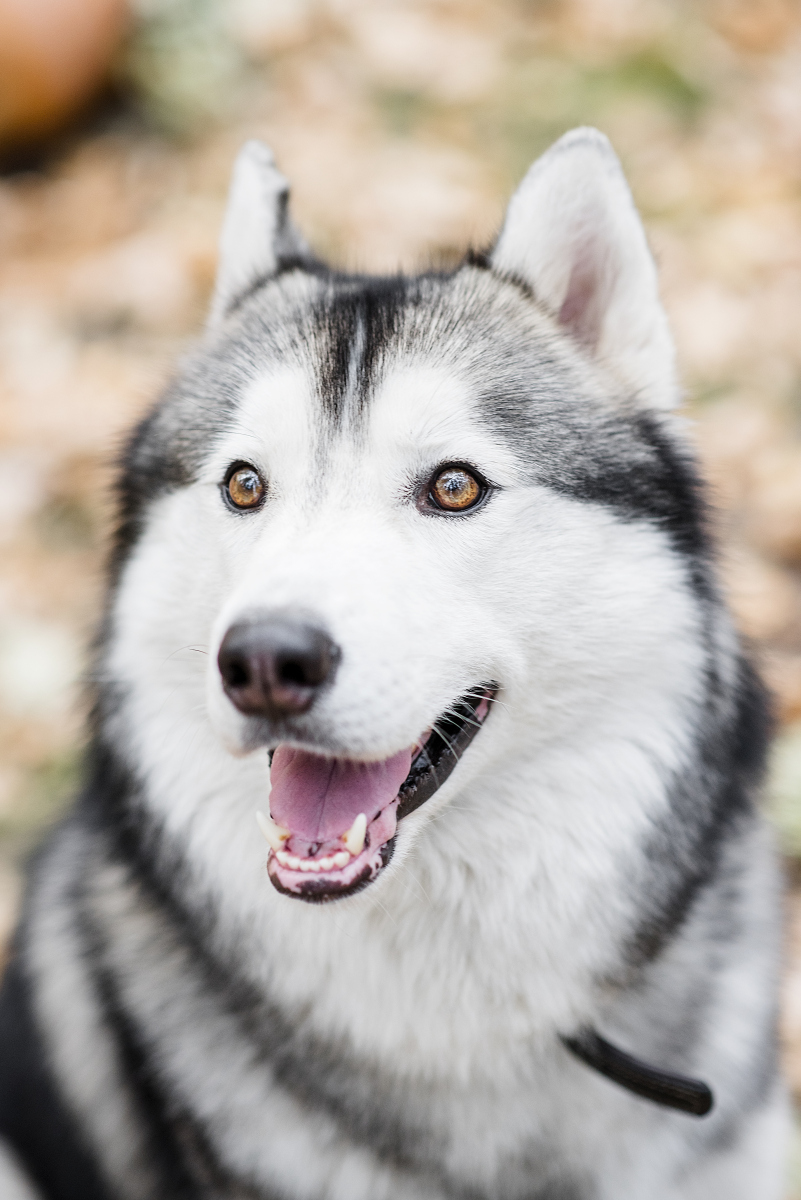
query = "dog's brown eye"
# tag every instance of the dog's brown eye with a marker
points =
(245, 487)
(455, 489)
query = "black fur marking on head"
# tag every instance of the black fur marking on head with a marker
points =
(654, 482)
(358, 320)
(624, 461)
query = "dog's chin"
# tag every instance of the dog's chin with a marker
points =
(330, 869)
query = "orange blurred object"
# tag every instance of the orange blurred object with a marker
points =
(54, 56)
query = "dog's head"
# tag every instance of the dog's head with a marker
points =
(423, 527)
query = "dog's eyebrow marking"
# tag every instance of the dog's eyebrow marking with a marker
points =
(662, 1087)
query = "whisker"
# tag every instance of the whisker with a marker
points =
(181, 649)
(467, 720)
(427, 756)
(411, 875)
(444, 737)
(376, 901)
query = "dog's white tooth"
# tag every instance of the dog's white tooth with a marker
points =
(283, 857)
(354, 838)
(326, 863)
(308, 864)
(274, 834)
(342, 858)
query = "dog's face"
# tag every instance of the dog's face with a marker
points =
(413, 522)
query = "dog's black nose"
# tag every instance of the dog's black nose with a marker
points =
(274, 665)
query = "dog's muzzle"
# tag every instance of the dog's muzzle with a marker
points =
(332, 822)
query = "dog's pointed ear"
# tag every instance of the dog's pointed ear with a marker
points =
(573, 235)
(257, 234)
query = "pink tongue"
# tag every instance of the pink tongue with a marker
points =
(320, 798)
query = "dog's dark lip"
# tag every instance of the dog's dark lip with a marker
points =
(450, 736)
(321, 891)
(445, 745)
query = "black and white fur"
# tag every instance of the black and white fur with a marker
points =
(171, 1026)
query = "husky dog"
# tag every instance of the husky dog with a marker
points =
(418, 569)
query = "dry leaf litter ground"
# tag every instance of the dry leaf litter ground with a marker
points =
(403, 127)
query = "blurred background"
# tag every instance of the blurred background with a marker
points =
(403, 125)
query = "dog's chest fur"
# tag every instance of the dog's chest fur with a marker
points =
(429, 1082)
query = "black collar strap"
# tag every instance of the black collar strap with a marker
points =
(663, 1087)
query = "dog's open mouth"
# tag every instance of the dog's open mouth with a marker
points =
(332, 821)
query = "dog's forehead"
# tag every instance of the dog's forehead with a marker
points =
(459, 365)
(417, 415)
(408, 402)
(399, 362)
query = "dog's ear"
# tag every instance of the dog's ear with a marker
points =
(257, 234)
(573, 235)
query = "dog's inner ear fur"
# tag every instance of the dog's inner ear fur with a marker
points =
(257, 234)
(573, 235)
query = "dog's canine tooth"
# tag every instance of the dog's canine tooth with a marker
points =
(274, 834)
(354, 838)
(341, 859)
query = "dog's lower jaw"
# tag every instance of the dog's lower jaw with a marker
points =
(321, 888)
